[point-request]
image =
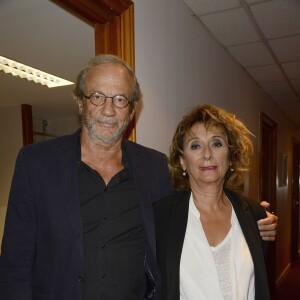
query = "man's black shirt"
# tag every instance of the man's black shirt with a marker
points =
(113, 234)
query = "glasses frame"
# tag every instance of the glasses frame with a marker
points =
(105, 97)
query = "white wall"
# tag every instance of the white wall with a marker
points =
(54, 127)
(11, 126)
(179, 65)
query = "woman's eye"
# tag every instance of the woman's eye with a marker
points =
(195, 146)
(217, 144)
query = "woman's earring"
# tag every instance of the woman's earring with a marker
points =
(231, 168)
(184, 173)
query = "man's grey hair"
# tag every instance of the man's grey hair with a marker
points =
(102, 59)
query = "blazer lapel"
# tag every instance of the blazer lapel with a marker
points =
(142, 181)
(247, 223)
(249, 227)
(178, 223)
(67, 164)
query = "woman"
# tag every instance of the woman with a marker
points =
(208, 242)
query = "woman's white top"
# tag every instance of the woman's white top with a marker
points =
(212, 273)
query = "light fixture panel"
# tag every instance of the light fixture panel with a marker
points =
(26, 72)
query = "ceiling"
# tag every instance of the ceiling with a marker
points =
(43, 35)
(263, 36)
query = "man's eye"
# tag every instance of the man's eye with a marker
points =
(119, 99)
(97, 97)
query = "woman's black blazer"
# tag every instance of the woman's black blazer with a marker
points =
(171, 215)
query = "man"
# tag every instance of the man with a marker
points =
(79, 222)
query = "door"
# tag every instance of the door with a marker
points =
(113, 22)
(295, 203)
(267, 184)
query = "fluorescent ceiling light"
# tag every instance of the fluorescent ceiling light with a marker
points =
(31, 74)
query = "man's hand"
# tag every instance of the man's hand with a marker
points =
(268, 226)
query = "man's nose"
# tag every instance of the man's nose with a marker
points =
(108, 108)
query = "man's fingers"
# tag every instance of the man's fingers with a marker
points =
(270, 233)
(268, 227)
(265, 204)
(268, 238)
(270, 220)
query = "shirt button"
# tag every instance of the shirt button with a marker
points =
(80, 279)
(103, 275)
(102, 246)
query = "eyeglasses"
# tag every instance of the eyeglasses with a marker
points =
(99, 99)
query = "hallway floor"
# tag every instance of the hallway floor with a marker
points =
(290, 287)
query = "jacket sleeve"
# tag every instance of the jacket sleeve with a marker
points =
(259, 213)
(161, 182)
(18, 245)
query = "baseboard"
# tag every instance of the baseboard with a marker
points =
(283, 275)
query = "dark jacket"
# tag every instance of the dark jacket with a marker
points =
(42, 250)
(171, 214)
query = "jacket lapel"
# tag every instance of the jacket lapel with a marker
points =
(142, 181)
(178, 223)
(67, 165)
(247, 223)
(250, 230)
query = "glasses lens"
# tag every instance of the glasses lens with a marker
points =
(97, 99)
(120, 101)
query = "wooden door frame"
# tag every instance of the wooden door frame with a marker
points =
(295, 202)
(27, 125)
(265, 120)
(267, 123)
(113, 22)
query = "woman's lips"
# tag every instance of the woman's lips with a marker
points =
(209, 168)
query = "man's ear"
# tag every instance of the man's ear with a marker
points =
(80, 105)
(132, 111)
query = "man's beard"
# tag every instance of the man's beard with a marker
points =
(95, 134)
